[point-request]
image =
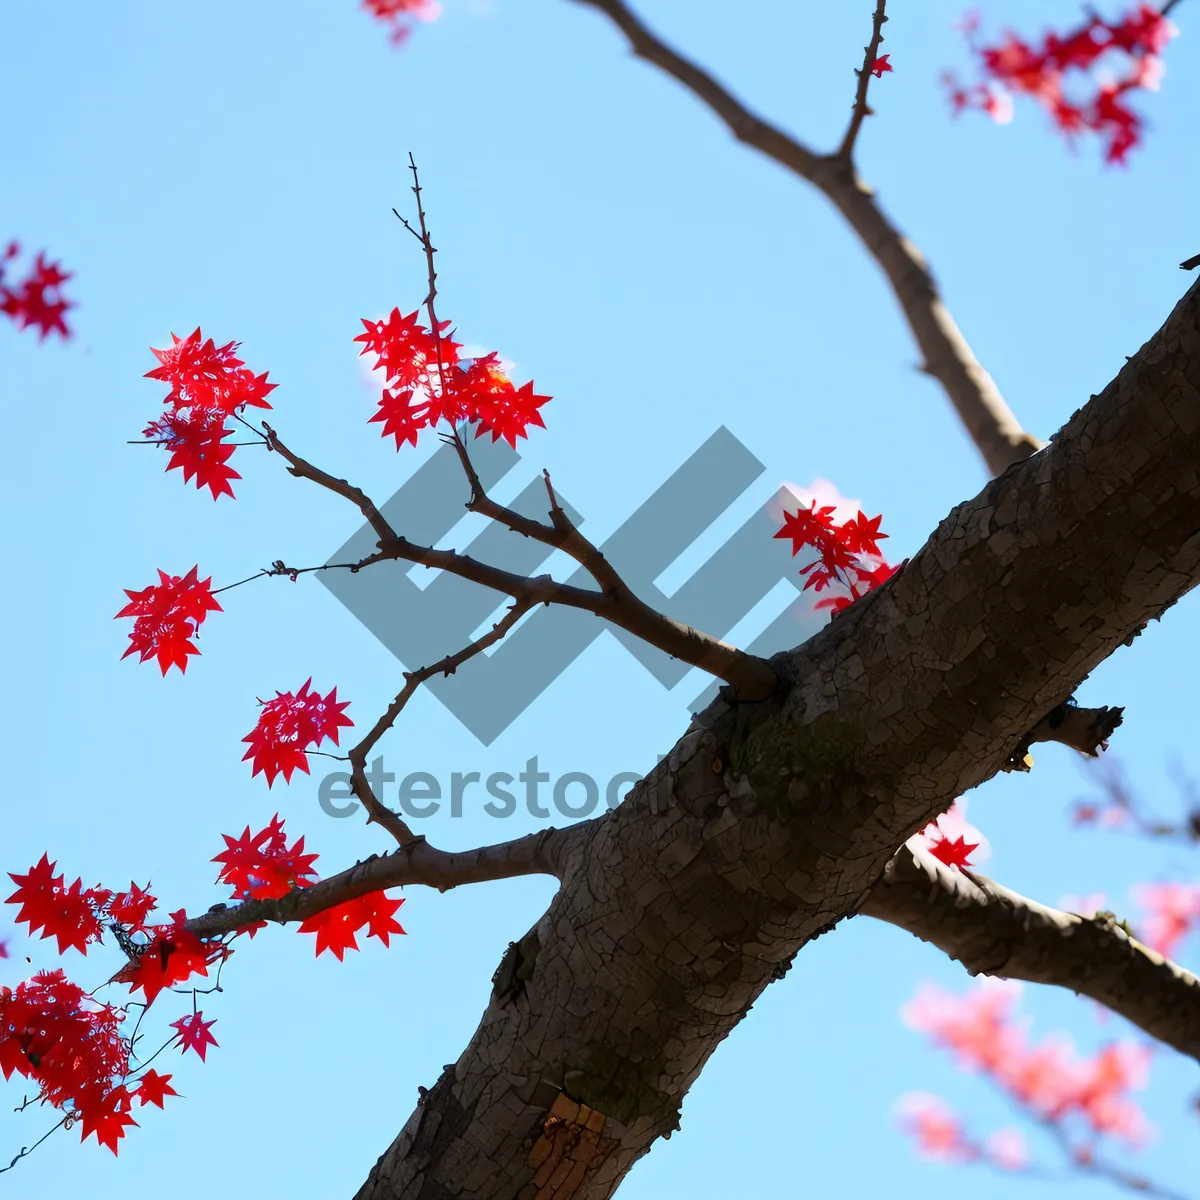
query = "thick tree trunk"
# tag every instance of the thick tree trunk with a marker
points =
(769, 822)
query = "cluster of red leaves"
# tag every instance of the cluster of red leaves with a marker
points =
(208, 383)
(171, 956)
(167, 616)
(842, 552)
(336, 927)
(37, 299)
(53, 1033)
(399, 15)
(428, 381)
(290, 725)
(1086, 1099)
(74, 915)
(1135, 41)
(263, 866)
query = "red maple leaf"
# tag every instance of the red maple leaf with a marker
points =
(290, 725)
(37, 299)
(65, 913)
(403, 415)
(954, 852)
(807, 527)
(153, 1088)
(861, 534)
(204, 375)
(196, 439)
(484, 394)
(336, 927)
(878, 575)
(132, 907)
(4, 948)
(406, 351)
(880, 65)
(167, 615)
(107, 1117)
(194, 1034)
(264, 866)
(413, 361)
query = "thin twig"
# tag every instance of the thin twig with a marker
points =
(376, 811)
(861, 108)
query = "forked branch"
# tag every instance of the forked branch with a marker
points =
(947, 357)
(752, 678)
(376, 811)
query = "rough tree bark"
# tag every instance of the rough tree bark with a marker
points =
(770, 822)
(993, 930)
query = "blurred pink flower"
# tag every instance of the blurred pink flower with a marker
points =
(1173, 909)
(938, 1132)
(1006, 1149)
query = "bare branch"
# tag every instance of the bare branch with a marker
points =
(1119, 807)
(303, 469)
(751, 677)
(561, 533)
(948, 358)
(994, 931)
(1084, 729)
(861, 108)
(376, 811)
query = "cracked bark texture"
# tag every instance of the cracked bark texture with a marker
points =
(767, 823)
(993, 930)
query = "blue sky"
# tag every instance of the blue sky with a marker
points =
(235, 167)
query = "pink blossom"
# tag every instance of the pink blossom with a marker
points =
(1006, 1149)
(1173, 909)
(937, 1130)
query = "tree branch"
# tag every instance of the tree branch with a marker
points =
(767, 824)
(751, 677)
(989, 421)
(1084, 729)
(376, 810)
(415, 863)
(992, 930)
(861, 109)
